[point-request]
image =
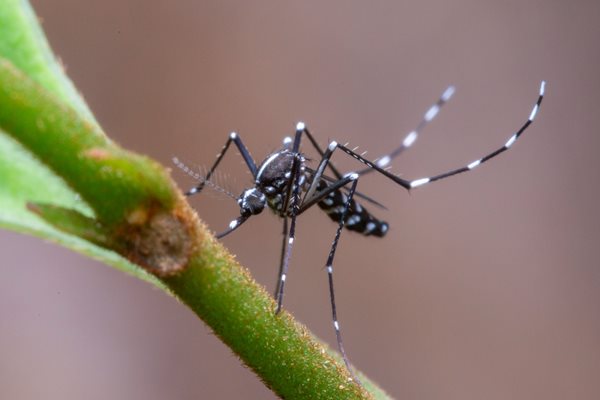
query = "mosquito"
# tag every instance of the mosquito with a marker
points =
(286, 184)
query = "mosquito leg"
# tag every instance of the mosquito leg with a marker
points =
(370, 164)
(489, 156)
(301, 126)
(413, 135)
(291, 206)
(329, 266)
(333, 169)
(320, 195)
(410, 184)
(235, 138)
(283, 248)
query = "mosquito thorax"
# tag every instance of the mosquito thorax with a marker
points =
(252, 202)
(274, 175)
(272, 172)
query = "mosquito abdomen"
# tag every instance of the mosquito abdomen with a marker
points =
(357, 219)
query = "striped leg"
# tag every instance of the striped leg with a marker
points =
(293, 196)
(406, 143)
(412, 136)
(283, 248)
(334, 170)
(329, 266)
(476, 163)
(312, 140)
(409, 184)
(320, 195)
(297, 208)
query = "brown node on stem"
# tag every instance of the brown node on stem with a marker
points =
(159, 240)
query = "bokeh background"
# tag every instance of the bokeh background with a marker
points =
(487, 285)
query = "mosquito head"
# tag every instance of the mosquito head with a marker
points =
(252, 202)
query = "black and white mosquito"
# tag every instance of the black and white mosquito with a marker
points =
(288, 186)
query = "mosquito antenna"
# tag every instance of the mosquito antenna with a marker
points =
(219, 178)
(201, 178)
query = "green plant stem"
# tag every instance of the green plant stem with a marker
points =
(77, 150)
(242, 313)
(23, 42)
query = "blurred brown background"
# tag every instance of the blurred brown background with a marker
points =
(487, 285)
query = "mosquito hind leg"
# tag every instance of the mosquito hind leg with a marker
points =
(413, 135)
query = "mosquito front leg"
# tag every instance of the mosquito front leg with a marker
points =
(235, 138)
(292, 204)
